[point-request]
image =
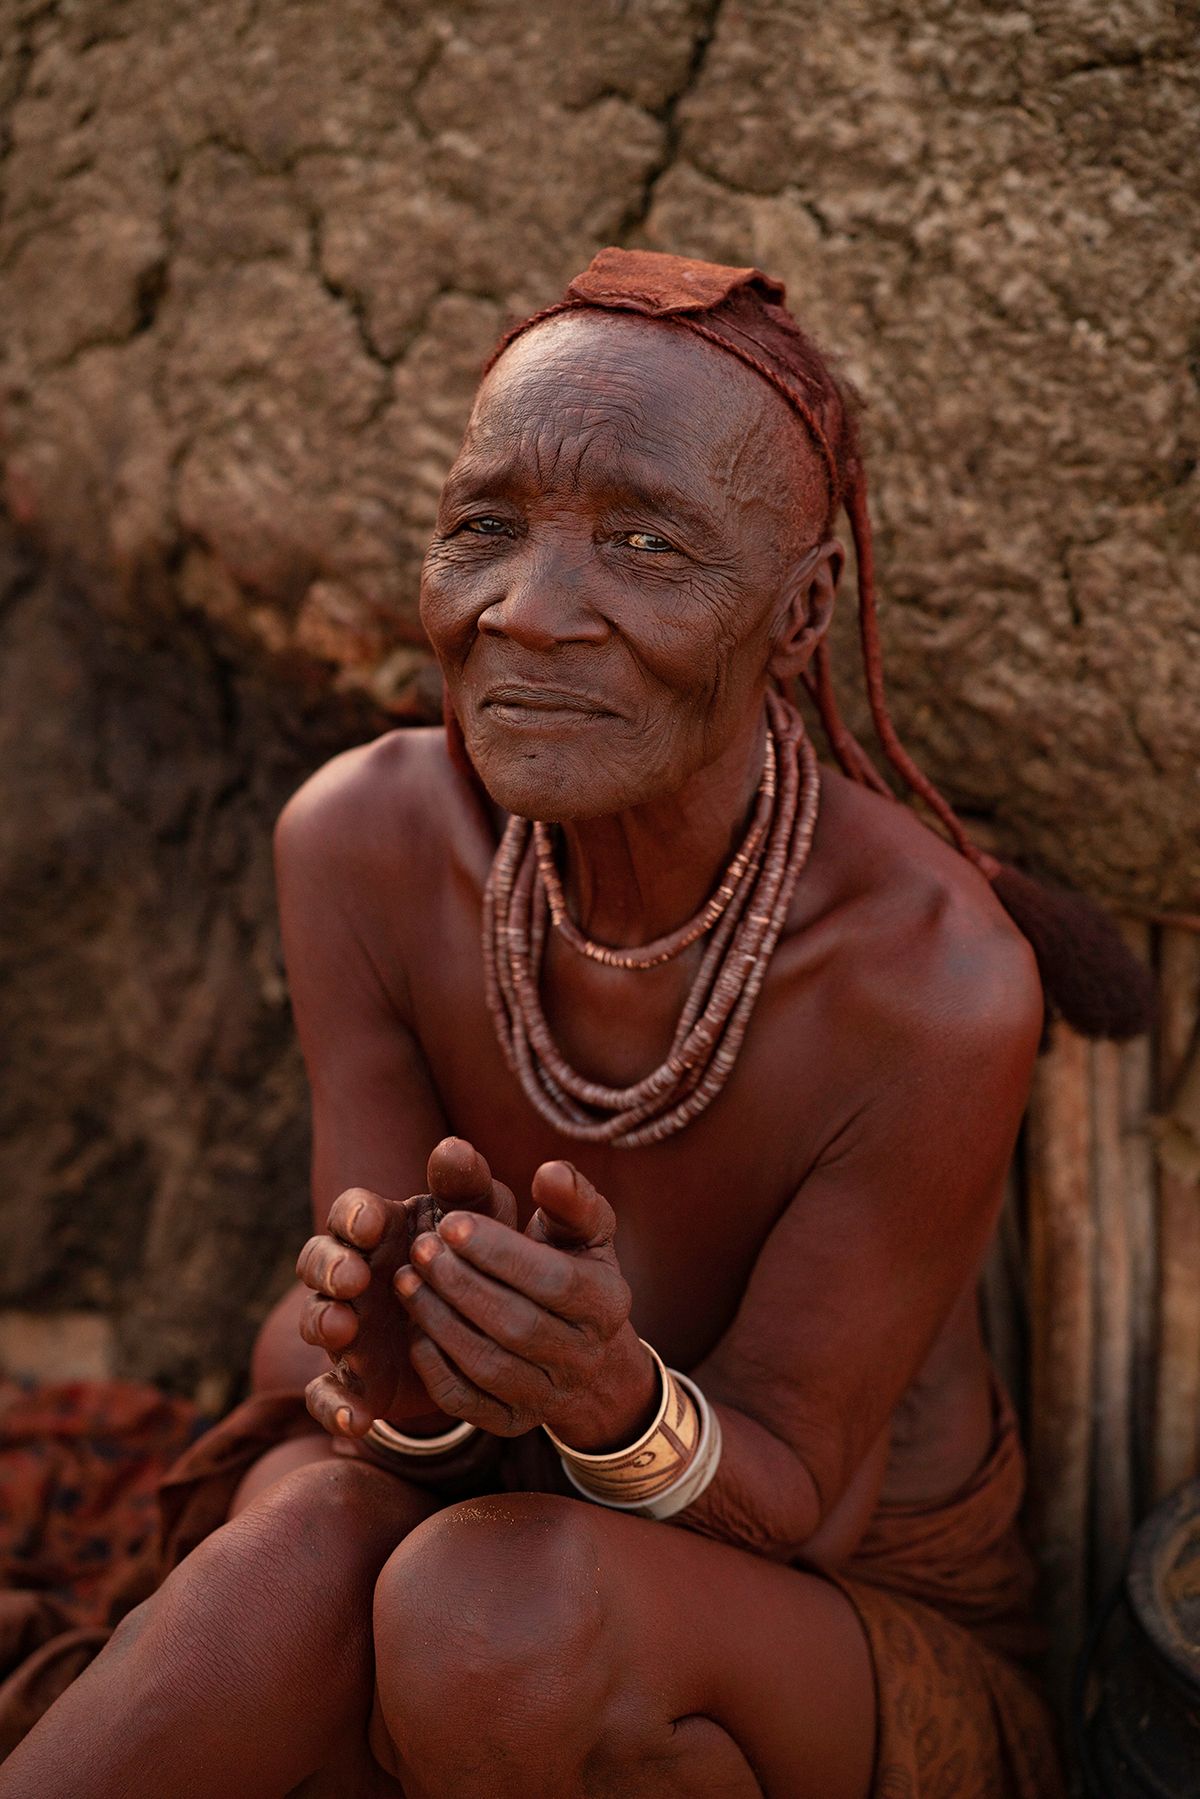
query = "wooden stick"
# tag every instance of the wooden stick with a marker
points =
(1061, 1233)
(1177, 1411)
(1112, 1393)
(1002, 1294)
(1141, 1206)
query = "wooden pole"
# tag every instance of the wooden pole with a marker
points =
(1003, 1295)
(1141, 1205)
(1061, 1235)
(1112, 1393)
(1176, 1447)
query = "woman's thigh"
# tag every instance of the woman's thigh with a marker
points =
(776, 1656)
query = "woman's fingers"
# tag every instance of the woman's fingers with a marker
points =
(360, 1217)
(571, 1213)
(328, 1266)
(581, 1290)
(459, 1177)
(466, 1373)
(457, 1173)
(449, 1388)
(328, 1324)
(511, 1319)
(335, 1262)
(341, 1413)
(488, 1365)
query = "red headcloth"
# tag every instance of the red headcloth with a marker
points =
(741, 311)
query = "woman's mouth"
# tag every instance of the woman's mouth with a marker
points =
(520, 704)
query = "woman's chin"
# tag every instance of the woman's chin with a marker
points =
(554, 782)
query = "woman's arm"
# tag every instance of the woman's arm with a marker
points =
(374, 1109)
(857, 1279)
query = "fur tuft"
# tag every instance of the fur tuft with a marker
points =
(1090, 976)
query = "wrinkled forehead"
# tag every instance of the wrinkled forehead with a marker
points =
(610, 383)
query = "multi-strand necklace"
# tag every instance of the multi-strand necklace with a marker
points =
(524, 897)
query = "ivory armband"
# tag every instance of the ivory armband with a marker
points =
(667, 1468)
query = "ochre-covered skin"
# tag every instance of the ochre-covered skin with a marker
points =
(818, 1225)
(625, 555)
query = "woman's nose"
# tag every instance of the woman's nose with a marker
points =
(545, 602)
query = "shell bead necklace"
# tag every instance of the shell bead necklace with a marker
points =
(649, 955)
(745, 916)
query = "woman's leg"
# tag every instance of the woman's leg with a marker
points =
(250, 1668)
(529, 1644)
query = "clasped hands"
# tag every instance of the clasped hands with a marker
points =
(503, 1328)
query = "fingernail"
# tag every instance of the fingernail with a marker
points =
(342, 1418)
(426, 1247)
(406, 1282)
(456, 1228)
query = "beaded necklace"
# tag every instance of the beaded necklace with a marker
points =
(745, 916)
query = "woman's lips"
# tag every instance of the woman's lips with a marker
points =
(541, 706)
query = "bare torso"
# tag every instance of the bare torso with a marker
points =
(888, 928)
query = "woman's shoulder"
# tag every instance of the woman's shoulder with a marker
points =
(398, 790)
(917, 928)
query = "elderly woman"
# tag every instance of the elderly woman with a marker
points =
(667, 1458)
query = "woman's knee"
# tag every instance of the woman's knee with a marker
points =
(334, 1517)
(489, 1618)
(283, 1459)
(342, 1486)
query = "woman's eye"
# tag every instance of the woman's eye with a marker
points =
(487, 526)
(647, 540)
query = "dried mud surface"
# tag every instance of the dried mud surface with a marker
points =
(252, 254)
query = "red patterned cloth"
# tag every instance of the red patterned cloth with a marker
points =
(945, 1596)
(80, 1467)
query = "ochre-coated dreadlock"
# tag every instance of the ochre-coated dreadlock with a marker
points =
(1088, 974)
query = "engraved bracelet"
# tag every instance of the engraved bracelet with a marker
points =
(666, 1468)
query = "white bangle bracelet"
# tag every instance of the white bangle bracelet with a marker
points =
(691, 1483)
(387, 1437)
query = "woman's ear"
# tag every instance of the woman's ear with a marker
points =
(811, 590)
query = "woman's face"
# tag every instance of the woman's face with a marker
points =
(611, 569)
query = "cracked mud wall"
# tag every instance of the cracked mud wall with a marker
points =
(251, 257)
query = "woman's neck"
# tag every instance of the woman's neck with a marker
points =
(634, 876)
